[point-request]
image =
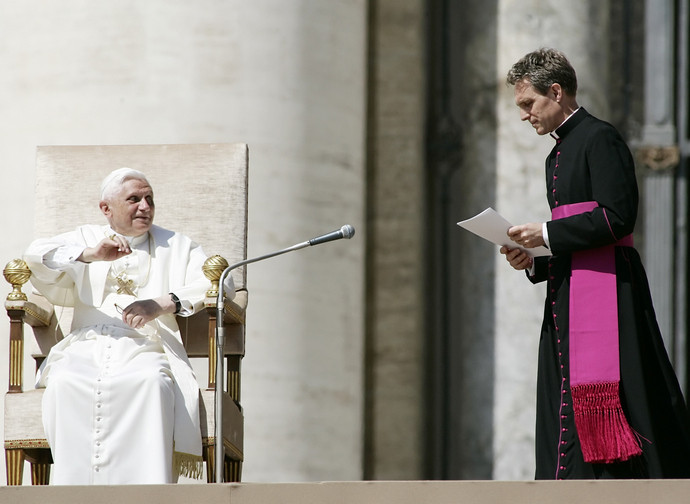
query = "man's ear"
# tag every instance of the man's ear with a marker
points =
(105, 208)
(557, 91)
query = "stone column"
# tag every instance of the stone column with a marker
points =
(394, 446)
(663, 192)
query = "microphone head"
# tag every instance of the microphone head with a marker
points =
(348, 231)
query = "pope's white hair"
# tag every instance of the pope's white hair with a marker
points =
(116, 178)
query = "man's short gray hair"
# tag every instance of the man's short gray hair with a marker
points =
(116, 178)
(542, 68)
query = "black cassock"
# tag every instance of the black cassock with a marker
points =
(591, 162)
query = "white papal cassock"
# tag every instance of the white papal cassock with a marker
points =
(121, 406)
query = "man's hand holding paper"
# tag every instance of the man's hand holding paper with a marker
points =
(527, 235)
(493, 227)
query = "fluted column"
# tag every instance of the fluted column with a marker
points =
(663, 189)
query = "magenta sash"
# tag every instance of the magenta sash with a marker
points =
(604, 433)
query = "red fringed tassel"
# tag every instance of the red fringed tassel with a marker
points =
(604, 433)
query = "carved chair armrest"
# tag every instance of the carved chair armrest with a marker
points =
(199, 331)
(36, 312)
(235, 309)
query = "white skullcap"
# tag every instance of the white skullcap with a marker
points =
(117, 177)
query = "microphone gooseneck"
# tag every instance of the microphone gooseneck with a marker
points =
(345, 231)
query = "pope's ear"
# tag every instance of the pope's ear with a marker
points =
(105, 208)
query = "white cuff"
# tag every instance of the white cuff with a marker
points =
(61, 257)
(545, 234)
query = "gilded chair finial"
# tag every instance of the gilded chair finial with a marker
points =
(17, 273)
(213, 268)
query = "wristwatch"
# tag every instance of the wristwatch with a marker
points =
(176, 300)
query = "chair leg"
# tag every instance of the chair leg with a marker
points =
(233, 470)
(14, 460)
(41, 459)
(209, 456)
(40, 474)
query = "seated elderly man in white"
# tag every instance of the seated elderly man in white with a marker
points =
(121, 404)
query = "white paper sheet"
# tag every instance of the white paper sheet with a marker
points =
(493, 227)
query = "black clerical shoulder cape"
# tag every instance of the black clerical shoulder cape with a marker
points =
(591, 162)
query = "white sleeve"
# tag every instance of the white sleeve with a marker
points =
(545, 234)
(61, 257)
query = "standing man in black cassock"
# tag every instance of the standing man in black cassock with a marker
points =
(608, 401)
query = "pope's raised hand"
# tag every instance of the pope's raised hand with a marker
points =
(108, 249)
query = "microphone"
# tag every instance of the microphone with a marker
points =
(346, 231)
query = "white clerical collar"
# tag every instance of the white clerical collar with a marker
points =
(132, 240)
(555, 135)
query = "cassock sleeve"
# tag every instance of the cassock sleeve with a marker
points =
(541, 270)
(610, 172)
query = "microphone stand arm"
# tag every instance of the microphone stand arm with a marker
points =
(220, 357)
